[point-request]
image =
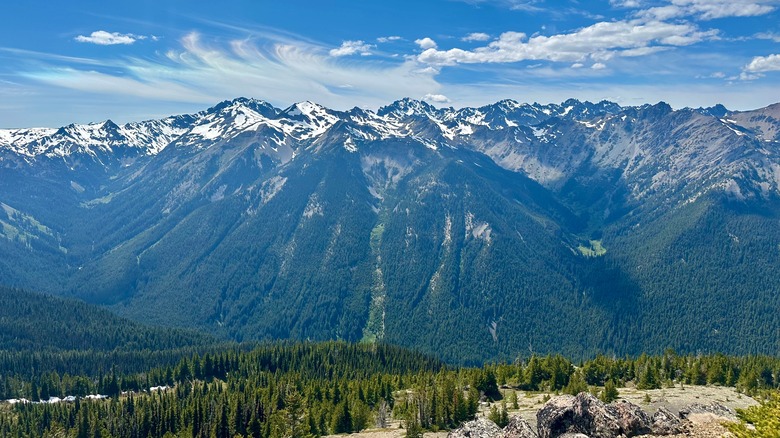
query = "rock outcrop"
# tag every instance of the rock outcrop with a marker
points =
(631, 418)
(664, 422)
(518, 428)
(481, 427)
(585, 414)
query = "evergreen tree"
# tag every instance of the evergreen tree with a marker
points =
(610, 392)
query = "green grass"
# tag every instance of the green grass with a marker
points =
(595, 249)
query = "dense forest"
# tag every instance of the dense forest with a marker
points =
(45, 323)
(444, 249)
(314, 389)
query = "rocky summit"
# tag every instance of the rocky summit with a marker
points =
(585, 416)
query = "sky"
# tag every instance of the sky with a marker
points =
(88, 61)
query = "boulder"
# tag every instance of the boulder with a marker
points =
(518, 428)
(665, 422)
(585, 414)
(632, 419)
(481, 427)
(556, 417)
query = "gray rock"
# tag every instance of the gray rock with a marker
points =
(585, 414)
(632, 419)
(556, 417)
(713, 408)
(665, 422)
(518, 428)
(481, 427)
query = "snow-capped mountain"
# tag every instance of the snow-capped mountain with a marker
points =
(653, 147)
(414, 224)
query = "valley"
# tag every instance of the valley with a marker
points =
(472, 233)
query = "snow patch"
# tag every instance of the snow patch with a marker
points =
(349, 145)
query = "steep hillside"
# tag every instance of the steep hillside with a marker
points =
(473, 233)
(35, 322)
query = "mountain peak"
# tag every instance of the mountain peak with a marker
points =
(260, 107)
(407, 107)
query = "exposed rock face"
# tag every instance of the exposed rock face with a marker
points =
(713, 408)
(665, 422)
(632, 419)
(556, 417)
(518, 428)
(478, 428)
(585, 414)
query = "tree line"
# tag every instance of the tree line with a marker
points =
(315, 389)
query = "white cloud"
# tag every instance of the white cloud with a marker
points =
(352, 47)
(104, 38)
(712, 9)
(436, 98)
(279, 71)
(768, 36)
(516, 5)
(387, 39)
(600, 41)
(426, 43)
(745, 76)
(762, 64)
(625, 3)
(598, 66)
(476, 36)
(708, 9)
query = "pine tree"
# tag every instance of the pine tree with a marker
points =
(413, 428)
(342, 420)
(610, 392)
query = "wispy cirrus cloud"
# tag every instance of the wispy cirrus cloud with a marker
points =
(517, 5)
(104, 38)
(203, 70)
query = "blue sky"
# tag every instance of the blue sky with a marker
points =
(84, 61)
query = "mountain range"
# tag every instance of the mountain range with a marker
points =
(474, 233)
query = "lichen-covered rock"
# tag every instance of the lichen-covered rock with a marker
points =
(481, 427)
(597, 419)
(581, 414)
(585, 414)
(518, 428)
(665, 422)
(633, 420)
(556, 417)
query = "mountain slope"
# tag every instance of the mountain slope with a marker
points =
(474, 233)
(35, 322)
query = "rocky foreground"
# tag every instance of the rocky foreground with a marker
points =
(585, 416)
